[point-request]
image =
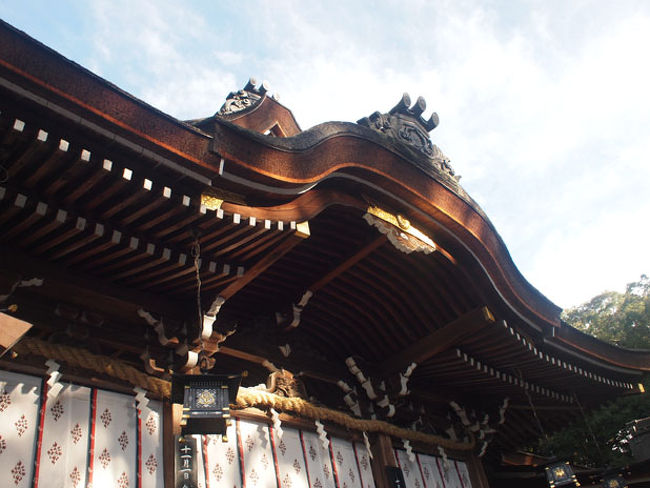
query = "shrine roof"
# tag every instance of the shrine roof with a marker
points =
(356, 238)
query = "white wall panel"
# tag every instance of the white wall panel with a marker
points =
(151, 446)
(291, 460)
(115, 441)
(436, 476)
(19, 418)
(64, 447)
(411, 469)
(346, 463)
(222, 460)
(321, 474)
(463, 474)
(365, 468)
(259, 466)
(431, 471)
(126, 453)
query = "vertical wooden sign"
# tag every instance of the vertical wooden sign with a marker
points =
(186, 462)
(395, 477)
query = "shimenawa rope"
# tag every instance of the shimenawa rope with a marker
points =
(247, 397)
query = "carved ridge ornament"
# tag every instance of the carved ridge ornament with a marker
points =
(399, 231)
(406, 124)
(239, 100)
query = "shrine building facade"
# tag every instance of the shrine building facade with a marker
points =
(383, 335)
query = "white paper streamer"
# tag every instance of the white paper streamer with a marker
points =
(54, 387)
(142, 402)
(277, 423)
(409, 450)
(21, 284)
(483, 449)
(445, 461)
(322, 435)
(344, 386)
(367, 444)
(502, 410)
(404, 378)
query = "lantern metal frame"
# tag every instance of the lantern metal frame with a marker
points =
(560, 474)
(206, 400)
(614, 481)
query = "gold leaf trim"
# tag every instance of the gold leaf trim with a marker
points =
(401, 223)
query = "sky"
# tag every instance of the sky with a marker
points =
(544, 105)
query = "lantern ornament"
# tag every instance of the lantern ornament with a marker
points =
(616, 481)
(206, 400)
(561, 474)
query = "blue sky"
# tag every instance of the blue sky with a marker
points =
(544, 105)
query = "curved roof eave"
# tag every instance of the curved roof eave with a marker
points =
(293, 169)
(290, 167)
(568, 336)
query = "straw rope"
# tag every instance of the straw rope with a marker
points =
(247, 397)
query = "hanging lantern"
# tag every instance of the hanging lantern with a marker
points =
(561, 474)
(206, 400)
(614, 481)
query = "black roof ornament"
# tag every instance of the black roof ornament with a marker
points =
(405, 123)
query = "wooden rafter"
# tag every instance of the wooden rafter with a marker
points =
(82, 289)
(332, 274)
(347, 263)
(440, 340)
(262, 265)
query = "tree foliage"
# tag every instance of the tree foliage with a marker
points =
(588, 441)
(622, 319)
(619, 318)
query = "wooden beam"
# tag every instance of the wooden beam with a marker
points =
(291, 320)
(88, 292)
(128, 337)
(236, 353)
(439, 341)
(262, 265)
(551, 408)
(439, 395)
(34, 366)
(295, 363)
(348, 263)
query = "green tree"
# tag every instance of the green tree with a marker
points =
(619, 318)
(622, 319)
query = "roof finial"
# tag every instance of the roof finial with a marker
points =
(405, 123)
(247, 97)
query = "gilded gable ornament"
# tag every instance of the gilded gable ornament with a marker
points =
(399, 231)
(406, 124)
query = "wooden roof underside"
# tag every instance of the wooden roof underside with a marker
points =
(110, 220)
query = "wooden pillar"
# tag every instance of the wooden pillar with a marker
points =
(168, 443)
(476, 472)
(383, 455)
